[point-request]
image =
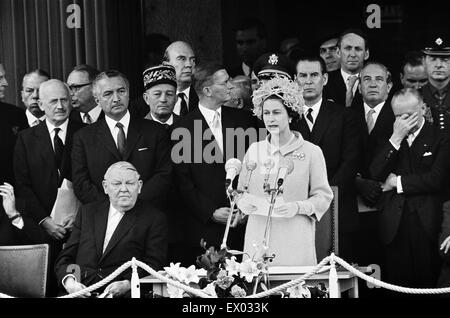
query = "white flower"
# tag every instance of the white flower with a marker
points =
(189, 275)
(232, 266)
(210, 289)
(248, 270)
(299, 291)
(174, 271)
(174, 292)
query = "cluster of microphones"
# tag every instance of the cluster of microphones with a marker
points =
(233, 168)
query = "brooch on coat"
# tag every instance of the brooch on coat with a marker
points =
(298, 155)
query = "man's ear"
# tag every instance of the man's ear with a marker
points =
(366, 55)
(41, 106)
(105, 186)
(325, 79)
(389, 87)
(145, 98)
(140, 183)
(206, 91)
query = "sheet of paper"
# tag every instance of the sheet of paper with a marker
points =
(66, 203)
(251, 204)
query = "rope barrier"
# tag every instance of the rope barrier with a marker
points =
(199, 293)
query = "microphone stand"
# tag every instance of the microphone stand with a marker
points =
(232, 195)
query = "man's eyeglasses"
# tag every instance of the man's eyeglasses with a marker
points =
(75, 88)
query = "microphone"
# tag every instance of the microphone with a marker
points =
(233, 167)
(285, 168)
(250, 166)
(268, 164)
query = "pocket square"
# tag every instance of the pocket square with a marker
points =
(426, 154)
(142, 149)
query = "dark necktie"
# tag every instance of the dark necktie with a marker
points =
(183, 105)
(87, 119)
(309, 116)
(121, 139)
(59, 147)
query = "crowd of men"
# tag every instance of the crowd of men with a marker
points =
(387, 150)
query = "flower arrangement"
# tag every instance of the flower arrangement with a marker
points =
(221, 275)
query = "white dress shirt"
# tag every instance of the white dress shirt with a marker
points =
(62, 133)
(177, 106)
(151, 117)
(31, 118)
(125, 121)
(345, 76)
(114, 218)
(215, 129)
(94, 113)
(315, 111)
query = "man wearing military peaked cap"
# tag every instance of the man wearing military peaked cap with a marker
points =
(160, 86)
(269, 65)
(436, 93)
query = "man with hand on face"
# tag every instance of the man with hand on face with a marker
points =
(30, 95)
(353, 50)
(85, 109)
(117, 137)
(413, 167)
(111, 232)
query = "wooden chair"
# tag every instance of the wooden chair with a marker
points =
(327, 230)
(23, 270)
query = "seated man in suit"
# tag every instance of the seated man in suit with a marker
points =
(413, 166)
(109, 233)
(85, 109)
(118, 137)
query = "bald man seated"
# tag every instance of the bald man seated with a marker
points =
(108, 233)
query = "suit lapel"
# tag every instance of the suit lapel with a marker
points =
(100, 223)
(322, 123)
(423, 142)
(43, 139)
(125, 224)
(132, 137)
(105, 138)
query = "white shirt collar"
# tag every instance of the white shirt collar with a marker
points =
(168, 122)
(345, 76)
(186, 94)
(31, 118)
(125, 121)
(94, 113)
(417, 132)
(209, 114)
(315, 107)
(377, 110)
(62, 133)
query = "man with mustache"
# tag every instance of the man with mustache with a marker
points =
(118, 136)
(30, 95)
(353, 50)
(42, 165)
(435, 93)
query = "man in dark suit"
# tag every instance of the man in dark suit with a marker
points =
(30, 95)
(118, 137)
(108, 233)
(42, 157)
(181, 56)
(251, 42)
(85, 109)
(203, 141)
(343, 83)
(413, 166)
(435, 93)
(12, 120)
(333, 129)
(42, 164)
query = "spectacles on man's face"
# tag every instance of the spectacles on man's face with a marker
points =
(74, 88)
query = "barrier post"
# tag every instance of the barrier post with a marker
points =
(333, 279)
(135, 287)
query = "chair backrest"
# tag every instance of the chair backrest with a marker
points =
(23, 270)
(327, 230)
